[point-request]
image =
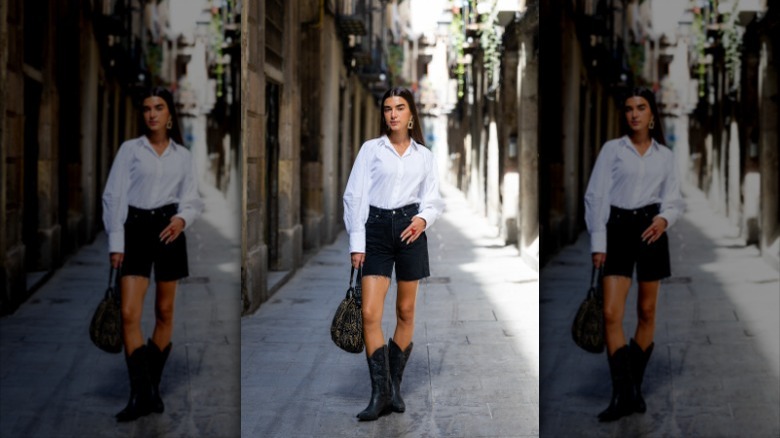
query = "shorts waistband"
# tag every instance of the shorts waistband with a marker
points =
(650, 209)
(164, 211)
(406, 210)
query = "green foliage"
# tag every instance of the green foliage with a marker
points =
(395, 62)
(729, 37)
(491, 45)
(216, 41)
(458, 38)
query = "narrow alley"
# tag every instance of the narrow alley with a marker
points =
(715, 370)
(474, 369)
(56, 383)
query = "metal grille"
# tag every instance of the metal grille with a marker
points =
(274, 32)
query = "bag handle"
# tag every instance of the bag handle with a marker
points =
(114, 282)
(595, 276)
(352, 275)
(111, 275)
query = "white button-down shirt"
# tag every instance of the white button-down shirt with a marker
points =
(625, 179)
(384, 179)
(141, 178)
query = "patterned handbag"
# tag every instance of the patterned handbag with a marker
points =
(346, 330)
(105, 329)
(588, 327)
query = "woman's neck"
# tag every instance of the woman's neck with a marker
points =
(641, 138)
(400, 138)
(158, 138)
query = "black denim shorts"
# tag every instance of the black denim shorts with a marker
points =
(143, 248)
(625, 247)
(384, 248)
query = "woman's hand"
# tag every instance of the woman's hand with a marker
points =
(414, 230)
(655, 230)
(357, 259)
(116, 259)
(172, 231)
(598, 259)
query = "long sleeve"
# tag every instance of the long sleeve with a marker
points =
(115, 199)
(597, 201)
(431, 204)
(356, 202)
(672, 203)
(190, 204)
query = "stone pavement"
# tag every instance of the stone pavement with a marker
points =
(473, 371)
(715, 370)
(55, 383)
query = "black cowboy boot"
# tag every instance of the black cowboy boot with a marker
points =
(398, 360)
(157, 360)
(137, 368)
(380, 385)
(622, 402)
(639, 361)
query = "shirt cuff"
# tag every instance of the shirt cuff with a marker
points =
(187, 218)
(428, 219)
(357, 241)
(598, 241)
(669, 219)
(116, 242)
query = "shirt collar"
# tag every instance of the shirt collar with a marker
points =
(168, 150)
(653, 145)
(413, 145)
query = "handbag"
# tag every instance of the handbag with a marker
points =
(588, 327)
(346, 329)
(105, 329)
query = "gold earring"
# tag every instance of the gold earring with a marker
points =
(411, 123)
(169, 125)
(652, 124)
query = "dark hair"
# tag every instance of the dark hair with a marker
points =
(404, 93)
(657, 133)
(175, 132)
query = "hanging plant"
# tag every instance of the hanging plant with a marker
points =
(458, 39)
(699, 40)
(395, 61)
(490, 41)
(731, 39)
(217, 41)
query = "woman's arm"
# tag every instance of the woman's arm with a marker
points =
(672, 202)
(115, 199)
(190, 203)
(431, 204)
(356, 201)
(597, 201)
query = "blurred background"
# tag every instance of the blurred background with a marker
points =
(314, 72)
(70, 74)
(712, 65)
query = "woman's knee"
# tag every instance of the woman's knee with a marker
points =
(405, 312)
(613, 316)
(371, 316)
(131, 315)
(646, 313)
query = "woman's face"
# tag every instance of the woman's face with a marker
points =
(156, 114)
(397, 113)
(638, 113)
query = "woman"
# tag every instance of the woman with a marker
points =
(151, 197)
(391, 198)
(632, 198)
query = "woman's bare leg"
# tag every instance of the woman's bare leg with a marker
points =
(374, 292)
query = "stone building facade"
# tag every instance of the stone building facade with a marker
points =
(314, 71)
(712, 70)
(70, 73)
